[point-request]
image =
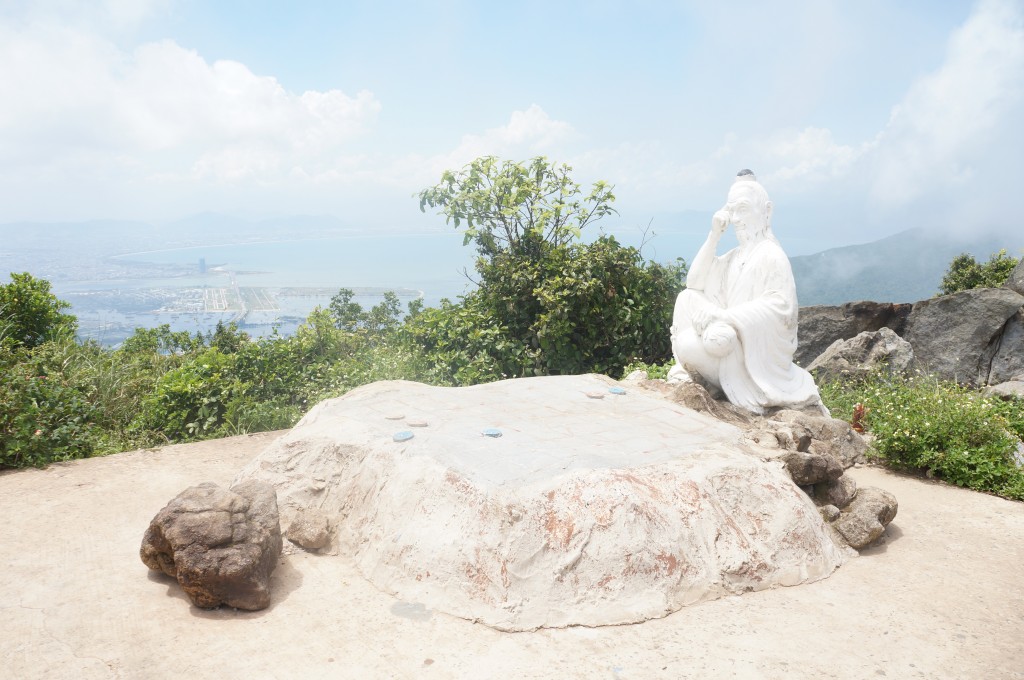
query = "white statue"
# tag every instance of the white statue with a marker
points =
(735, 324)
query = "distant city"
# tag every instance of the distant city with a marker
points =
(265, 277)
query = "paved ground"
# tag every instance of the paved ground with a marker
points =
(942, 597)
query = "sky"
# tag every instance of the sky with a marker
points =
(861, 119)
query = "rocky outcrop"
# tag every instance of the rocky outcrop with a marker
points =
(1008, 351)
(822, 325)
(584, 510)
(1016, 280)
(863, 354)
(963, 336)
(221, 545)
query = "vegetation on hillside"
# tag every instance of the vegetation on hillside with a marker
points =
(965, 272)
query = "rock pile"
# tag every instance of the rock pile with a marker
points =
(816, 451)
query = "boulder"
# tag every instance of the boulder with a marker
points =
(583, 511)
(811, 468)
(1011, 389)
(221, 545)
(862, 354)
(310, 529)
(956, 337)
(1008, 354)
(1016, 280)
(822, 325)
(838, 492)
(864, 520)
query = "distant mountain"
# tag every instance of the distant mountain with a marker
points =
(905, 267)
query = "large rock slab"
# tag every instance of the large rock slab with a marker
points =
(221, 545)
(860, 355)
(590, 508)
(956, 337)
(822, 325)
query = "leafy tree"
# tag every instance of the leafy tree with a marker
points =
(546, 303)
(965, 272)
(30, 314)
(515, 207)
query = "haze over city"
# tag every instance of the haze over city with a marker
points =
(861, 119)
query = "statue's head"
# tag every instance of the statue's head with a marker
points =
(749, 208)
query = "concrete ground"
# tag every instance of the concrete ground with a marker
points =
(940, 597)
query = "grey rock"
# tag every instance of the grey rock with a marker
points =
(310, 529)
(829, 436)
(838, 492)
(811, 468)
(1016, 280)
(862, 354)
(1011, 389)
(865, 519)
(221, 545)
(822, 325)
(1008, 357)
(829, 513)
(956, 337)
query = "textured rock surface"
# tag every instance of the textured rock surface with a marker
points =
(310, 529)
(865, 519)
(1011, 389)
(822, 325)
(584, 511)
(838, 492)
(861, 354)
(811, 468)
(956, 337)
(1008, 356)
(828, 435)
(221, 545)
(1016, 280)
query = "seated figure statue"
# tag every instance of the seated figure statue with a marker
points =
(735, 324)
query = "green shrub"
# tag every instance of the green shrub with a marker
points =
(965, 272)
(30, 314)
(44, 417)
(919, 423)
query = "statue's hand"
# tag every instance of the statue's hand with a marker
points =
(705, 316)
(720, 222)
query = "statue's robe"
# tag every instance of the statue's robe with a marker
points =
(755, 285)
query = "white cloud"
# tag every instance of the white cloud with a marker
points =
(956, 123)
(161, 108)
(809, 156)
(526, 134)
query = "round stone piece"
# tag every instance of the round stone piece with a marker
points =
(492, 432)
(595, 395)
(403, 436)
(616, 390)
(416, 423)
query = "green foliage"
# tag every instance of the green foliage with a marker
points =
(44, 416)
(965, 272)
(546, 303)
(940, 427)
(513, 207)
(30, 314)
(656, 371)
